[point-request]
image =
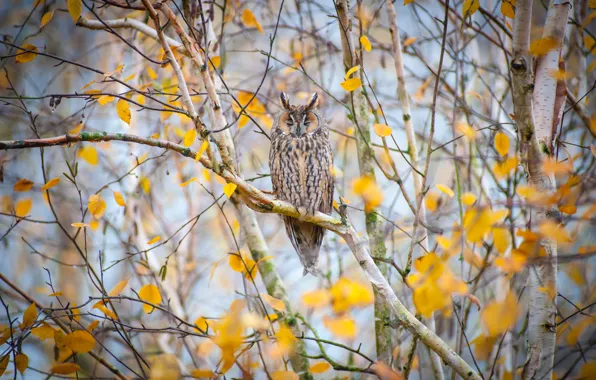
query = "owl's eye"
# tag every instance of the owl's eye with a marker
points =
(290, 122)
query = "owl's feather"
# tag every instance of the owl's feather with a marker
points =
(300, 166)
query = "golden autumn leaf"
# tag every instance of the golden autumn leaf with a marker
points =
(499, 316)
(216, 61)
(409, 41)
(370, 192)
(366, 45)
(202, 373)
(24, 56)
(202, 150)
(145, 184)
(154, 240)
(184, 184)
(249, 20)
(317, 298)
(105, 99)
(468, 199)
(347, 294)
(65, 368)
(118, 288)
(96, 205)
(273, 302)
(150, 293)
(552, 230)
(104, 309)
(229, 189)
(43, 331)
(23, 185)
(80, 225)
(23, 207)
(382, 130)
(22, 362)
(542, 46)
(466, 130)
(51, 183)
(285, 341)
(89, 154)
(202, 323)
(431, 201)
(75, 8)
(47, 17)
(119, 199)
(343, 327)
(152, 73)
(351, 84)
(445, 190)
(29, 317)
(319, 367)
(284, 375)
(80, 341)
(93, 325)
(470, 7)
(189, 137)
(502, 239)
(502, 143)
(4, 363)
(123, 109)
(508, 8)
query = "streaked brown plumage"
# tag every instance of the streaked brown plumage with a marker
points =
(300, 161)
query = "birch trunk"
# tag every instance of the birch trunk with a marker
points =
(535, 114)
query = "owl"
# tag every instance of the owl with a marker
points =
(300, 161)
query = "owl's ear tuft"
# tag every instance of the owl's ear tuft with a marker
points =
(284, 100)
(313, 102)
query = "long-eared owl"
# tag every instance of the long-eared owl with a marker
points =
(300, 161)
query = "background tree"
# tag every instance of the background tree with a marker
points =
(140, 238)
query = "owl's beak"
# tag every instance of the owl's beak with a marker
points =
(300, 130)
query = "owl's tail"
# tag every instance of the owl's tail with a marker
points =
(306, 239)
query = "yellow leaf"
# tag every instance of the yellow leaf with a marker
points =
(229, 189)
(150, 293)
(498, 317)
(105, 99)
(542, 46)
(351, 84)
(23, 207)
(568, 209)
(56, 294)
(43, 332)
(202, 149)
(444, 189)
(236, 263)
(352, 71)
(468, 199)
(273, 302)
(508, 8)
(370, 192)
(249, 20)
(216, 61)
(483, 346)
(589, 42)
(89, 154)
(406, 2)
(145, 184)
(4, 363)
(560, 74)
(502, 143)
(118, 288)
(284, 375)
(431, 201)
(347, 294)
(202, 373)
(96, 205)
(465, 129)
(102, 307)
(75, 8)
(552, 230)
(365, 43)
(79, 225)
(123, 109)
(409, 41)
(319, 367)
(316, 298)
(65, 368)
(80, 341)
(470, 7)
(202, 323)
(47, 17)
(184, 184)
(22, 362)
(51, 183)
(189, 137)
(29, 317)
(285, 340)
(152, 73)
(237, 306)
(119, 199)
(76, 129)
(382, 130)
(501, 239)
(26, 56)
(23, 185)
(154, 240)
(343, 327)
(93, 325)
